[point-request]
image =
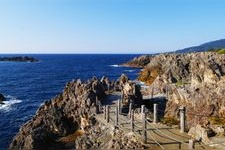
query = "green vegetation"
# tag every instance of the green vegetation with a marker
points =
(180, 83)
(219, 51)
(170, 121)
(217, 120)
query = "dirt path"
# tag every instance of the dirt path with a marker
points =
(159, 136)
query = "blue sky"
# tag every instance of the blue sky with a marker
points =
(108, 26)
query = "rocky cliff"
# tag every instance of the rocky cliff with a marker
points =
(194, 80)
(60, 116)
(139, 62)
(68, 120)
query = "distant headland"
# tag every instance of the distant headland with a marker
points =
(19, 59)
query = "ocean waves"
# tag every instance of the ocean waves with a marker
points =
(30, 84)
(8, 104)
(115, 65)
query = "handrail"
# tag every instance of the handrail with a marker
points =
(156, 141)
(168, 135)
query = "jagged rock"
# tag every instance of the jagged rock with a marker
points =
(219, 130)
(123, 79)
(108, 85)
(101, 136)
(57, 121)
(2, 98)
(61, 116)
(194, 80)
(120, 140)
(120, 82)
(201, 133)
(131, 93)
(139, 62)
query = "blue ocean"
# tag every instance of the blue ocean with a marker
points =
(27, 85)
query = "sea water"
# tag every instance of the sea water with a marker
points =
(27, 85)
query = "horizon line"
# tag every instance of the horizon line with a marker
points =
(76, 53)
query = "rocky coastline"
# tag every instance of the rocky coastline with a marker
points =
(193, 80)
(59, 121)
(19, 59)
(139, 62)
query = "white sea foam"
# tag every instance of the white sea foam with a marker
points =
(129, 70)
(114, 65)
(10, 100)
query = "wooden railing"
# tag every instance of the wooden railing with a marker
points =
(108, 110)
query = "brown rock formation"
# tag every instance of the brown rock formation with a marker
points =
(100, 136)
(131, 94)
(121, 82)
(139, 62)
(58, 123)
(195, 80)
(60, 116)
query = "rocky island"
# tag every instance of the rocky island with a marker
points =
(19, 59)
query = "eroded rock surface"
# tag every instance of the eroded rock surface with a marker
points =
(194, 80)
(60, 116)
(59, 122)
(105, 137)
(139, 62)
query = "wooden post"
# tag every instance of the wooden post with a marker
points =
(97, 105)
(104, 112)
(167, 93)
(119, 105)
(122, 96)
(132, 120)
(191, 144)
(116, 116)
(182, 119)
(144, 125)
(152, 91)
(108, 87)
(107, 113)
(96, 100)
(142, 108)
(155, 113)
(130, 108)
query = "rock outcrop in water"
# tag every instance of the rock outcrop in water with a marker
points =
(19, 59)
(139, 62)
(2, 98)
(193, 80)
(58, 122)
